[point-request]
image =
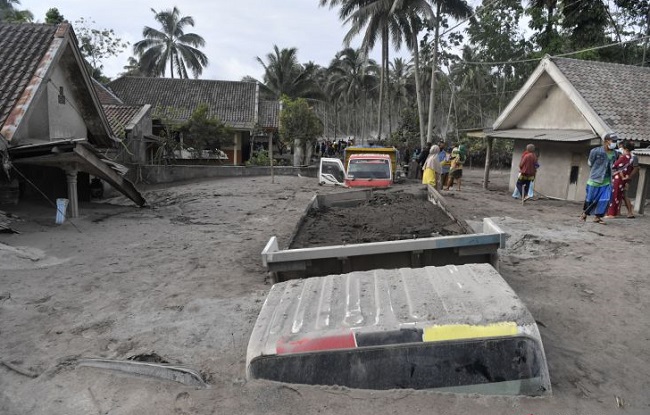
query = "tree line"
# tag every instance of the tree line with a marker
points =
(466, 63)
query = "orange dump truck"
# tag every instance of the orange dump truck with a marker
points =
(361, 167)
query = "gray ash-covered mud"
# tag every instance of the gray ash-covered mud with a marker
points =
(387, 216)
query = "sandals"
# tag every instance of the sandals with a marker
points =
(599, 221)
(583, 217)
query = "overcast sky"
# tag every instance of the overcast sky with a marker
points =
(235, 31)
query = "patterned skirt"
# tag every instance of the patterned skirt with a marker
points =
(597, 199)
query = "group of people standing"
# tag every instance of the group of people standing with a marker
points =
(612, 167)
(441, 168)
(334, 148)
(609, 177)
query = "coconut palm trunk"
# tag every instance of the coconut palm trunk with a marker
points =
(418, 85)
(382, 77)
(434, 65)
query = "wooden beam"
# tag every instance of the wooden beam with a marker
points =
(488, 158)
(639, 200)
(98, 168)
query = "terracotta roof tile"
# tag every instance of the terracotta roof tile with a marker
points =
(269, 115)
(620, 94)
(234, 103)
(105, 95)
(119, 117)
(22, 46)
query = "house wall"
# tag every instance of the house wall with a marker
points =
(239, 151)
(135, 140)
(555, 111)
(49, 119)
(557, 161)
(38, 126)
(65, 120)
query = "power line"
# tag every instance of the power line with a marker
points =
(555, 56)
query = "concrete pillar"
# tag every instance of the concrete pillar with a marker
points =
(73, 199)
(271, 156)
(236, 151)
(488, 159)
(639, 200)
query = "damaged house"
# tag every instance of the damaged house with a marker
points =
(53, 130)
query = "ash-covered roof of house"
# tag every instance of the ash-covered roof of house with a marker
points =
(119, 116)
(234, 103)
(269, 115)
(105, 95)
(619, 94)
(22, 47)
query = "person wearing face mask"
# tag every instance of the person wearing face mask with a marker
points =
(599, 185)
(621, 172)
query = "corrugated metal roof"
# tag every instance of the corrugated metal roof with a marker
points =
(386, 300)
(545, 134)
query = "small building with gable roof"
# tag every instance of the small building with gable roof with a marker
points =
(52, 124)
(565, 109)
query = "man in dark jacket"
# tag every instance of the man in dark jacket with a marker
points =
(424, 154)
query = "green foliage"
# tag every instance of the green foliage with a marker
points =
(203, 132)
(477, 147)
(298, 122)
(169, 143)
(53, 16)
(166, 150)
(97, 44)
(408, 132)
(259, 158)
(133, 67)
(10, 14)
(284, 75)
(171, 46)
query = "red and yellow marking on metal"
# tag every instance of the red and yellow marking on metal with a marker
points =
(435, 333)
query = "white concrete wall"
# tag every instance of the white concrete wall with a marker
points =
(556, 160)
(555, 111)
(38, 125)
(135, 140)
(64, 119)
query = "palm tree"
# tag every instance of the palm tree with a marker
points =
(456, 9)
(472, 80)
(402, 86)
(283, 75)
(134, 68)
(351, 73)
(171, 45)
(9, 13)
(416, 13)
(387, 19)
(376, 16)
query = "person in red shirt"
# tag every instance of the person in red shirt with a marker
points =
(527, 170)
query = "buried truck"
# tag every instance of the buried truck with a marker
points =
(425, 313)
(361, 167)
